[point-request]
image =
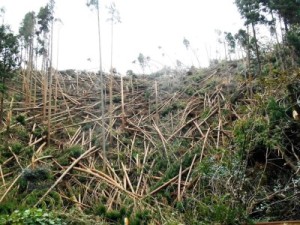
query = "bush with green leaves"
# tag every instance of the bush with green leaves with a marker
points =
(31, 216)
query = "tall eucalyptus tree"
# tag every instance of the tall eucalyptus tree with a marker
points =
(27, 34)
(50, 69)
(113, 19)
(95, 4)
(45, 20)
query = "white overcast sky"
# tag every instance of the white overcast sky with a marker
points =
(146, 24)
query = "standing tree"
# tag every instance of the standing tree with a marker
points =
(95, 4)
(221, 40)
(288, 10)
(243, 39)
(187, 44)
(44, 20)
(9, 49)
(2, 12)
(230, 43)
(114, 19)
(142, 61)
(50, 69)
(27, 32)
(250, 11)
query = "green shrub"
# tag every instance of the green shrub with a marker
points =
(141, 218)
(51, 201)
(37, 174)
(114, 215)
(31, 217)
(100, 210)
(117, 99)
(75, 151)
(21, 119)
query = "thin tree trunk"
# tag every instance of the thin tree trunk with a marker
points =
(111, 85)
(122, 103)
(45, 84)
(30, 71)
(2, 103)
(50, 87)
(1, 108)
(256, 49)
(156, 101)
(248, 48)
(278, 46)
(102, 94)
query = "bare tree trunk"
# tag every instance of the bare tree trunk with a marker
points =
(45, 84)
(278, 47)
(248, 48)
(30, 71)
(2, 102)
(122, 103)
(1, 108)
(156, 101)
(256, 49)
(102, 94)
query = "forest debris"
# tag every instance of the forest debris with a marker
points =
(64, 174)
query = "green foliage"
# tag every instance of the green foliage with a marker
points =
(52, 201)
(117, 99)
(31, 216)
(141, 218)
(214, 209)
(173, 108)
(100, 210)
(190, 91)
(27, 27)
(293, 37)
(8, 206)
(87, 126)
(75, 151)
(7, 150)
(143, 61)
(64, 158)
(16, 147)
(3, 88)
(93, 3)
(36, 174)
(8, 53)
(21, 119)
(230, 42)
(114, 216)
(44, 18)
(250, 132)
(9, 49)
(276, 113)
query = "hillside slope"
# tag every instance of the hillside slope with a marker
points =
(214, 145)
